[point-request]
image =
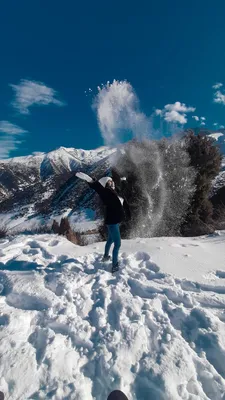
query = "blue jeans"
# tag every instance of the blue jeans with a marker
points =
(113, 237)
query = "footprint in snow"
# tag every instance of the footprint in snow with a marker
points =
(52, 283)
(138, 289)
(31, 251)
(33, 244)
(114, 311)
(5, 284)
(24, 301)
(152, 266)
(197, 328)
(152, 275)
(142, 256)
(43, 252)
(39, 339)
(4, 320)
(53, 243)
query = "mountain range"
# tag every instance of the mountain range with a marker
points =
(45, 183)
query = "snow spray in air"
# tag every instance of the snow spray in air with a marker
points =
(118, 113)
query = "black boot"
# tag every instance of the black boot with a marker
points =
(115, 268)
(106, 258)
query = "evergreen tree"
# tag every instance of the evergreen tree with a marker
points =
(206, 159)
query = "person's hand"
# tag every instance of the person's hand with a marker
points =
(84, 177)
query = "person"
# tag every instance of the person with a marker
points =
(116, 209)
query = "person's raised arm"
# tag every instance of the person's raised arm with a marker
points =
(84, 177)
(94, 184)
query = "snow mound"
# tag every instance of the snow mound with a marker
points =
(71, 330)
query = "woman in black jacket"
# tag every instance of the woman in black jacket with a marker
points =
(116, 208)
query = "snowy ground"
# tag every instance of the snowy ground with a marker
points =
(71, 330)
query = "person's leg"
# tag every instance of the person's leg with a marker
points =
(109, 242)
(115, 233)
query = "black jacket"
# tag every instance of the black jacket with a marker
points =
(115, 212)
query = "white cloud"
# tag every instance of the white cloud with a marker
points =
(215, 124)
(158, 112)
(202, 124)
(195, 117)
(174, 116)
(29, 93)
(176, 113)
(9, 141)
(179, 107)
(8, 144)
(222, 126)
(203, 118)
(217, 85)
(219, 97)
(11, 129)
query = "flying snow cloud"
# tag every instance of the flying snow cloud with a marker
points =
(117, 108)
(29, 93)
(175, 113)
(9, 138)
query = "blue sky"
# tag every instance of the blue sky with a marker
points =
(172, 53)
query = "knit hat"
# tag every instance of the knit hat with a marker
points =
(104, 180)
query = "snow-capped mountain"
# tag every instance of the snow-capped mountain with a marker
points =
(45, 183)
(58, 161)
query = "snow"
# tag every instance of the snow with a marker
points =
(67, 157)
(31, 160)
(216, 135)
(223, 162)
(71, 330)
(84, 221)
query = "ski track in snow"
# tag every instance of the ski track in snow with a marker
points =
(69, 329)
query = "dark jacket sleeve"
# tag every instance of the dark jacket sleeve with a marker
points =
(99, 189)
